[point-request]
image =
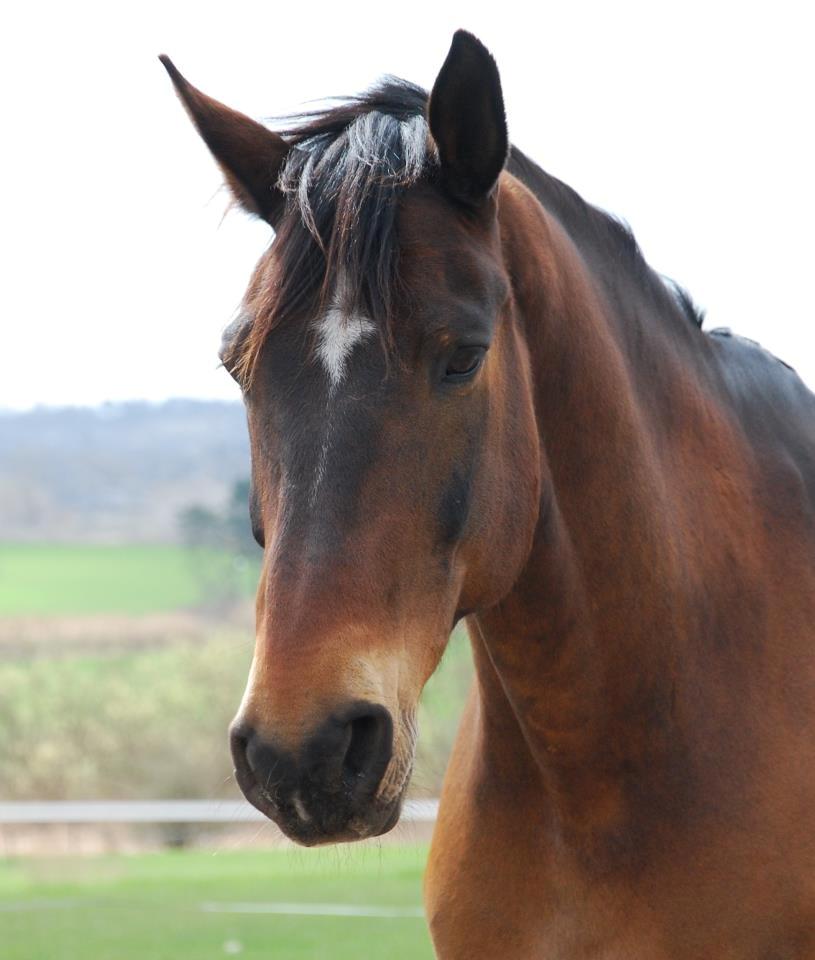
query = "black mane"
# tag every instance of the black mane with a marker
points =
(611, 236)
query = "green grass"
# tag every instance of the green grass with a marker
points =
(148, 907)
(53, 580)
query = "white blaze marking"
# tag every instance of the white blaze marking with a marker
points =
(337, 335)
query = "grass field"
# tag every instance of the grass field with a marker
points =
(54, 580)
(183, 906)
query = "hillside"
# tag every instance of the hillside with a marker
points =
(116, 473)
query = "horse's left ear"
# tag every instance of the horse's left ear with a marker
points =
(466, 116)
(249, 154)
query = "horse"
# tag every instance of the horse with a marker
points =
(469, 397)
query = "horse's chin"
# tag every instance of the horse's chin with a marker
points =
(363, 823)
(361, 828)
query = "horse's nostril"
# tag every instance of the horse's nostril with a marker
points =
(238, 740)
(369, 748)
(364, 733)
(264, 772)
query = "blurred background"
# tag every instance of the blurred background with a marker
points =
(127, 569)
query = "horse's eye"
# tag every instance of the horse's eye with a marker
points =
(464, 363)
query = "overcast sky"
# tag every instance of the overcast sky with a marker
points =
(693, 121)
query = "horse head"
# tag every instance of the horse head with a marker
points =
(395, 460)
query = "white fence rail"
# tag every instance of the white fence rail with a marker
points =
(163, 811)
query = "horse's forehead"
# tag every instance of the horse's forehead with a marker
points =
(446, 260)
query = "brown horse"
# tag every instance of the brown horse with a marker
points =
(469, 396)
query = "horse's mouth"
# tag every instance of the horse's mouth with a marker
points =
(341, 817)
(334, 819)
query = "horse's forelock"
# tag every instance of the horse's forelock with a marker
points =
(343, 176)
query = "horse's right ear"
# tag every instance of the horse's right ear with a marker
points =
(466, 117)
(249, 154)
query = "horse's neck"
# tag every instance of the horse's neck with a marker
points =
(581, 644)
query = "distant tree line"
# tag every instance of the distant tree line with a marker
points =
(227, 529)
(119, 473)
(223, 552)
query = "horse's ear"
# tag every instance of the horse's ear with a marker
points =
(466, 116)
(249, 154)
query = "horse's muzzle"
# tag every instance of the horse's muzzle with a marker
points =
(327, 790)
